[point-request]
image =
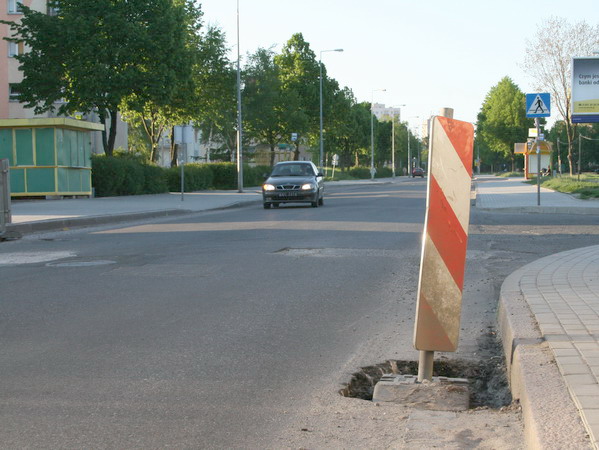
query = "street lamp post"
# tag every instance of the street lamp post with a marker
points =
(372, 133)
(321, 160)
(239, 135)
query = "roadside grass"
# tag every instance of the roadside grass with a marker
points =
(509, 174)
(587, 187)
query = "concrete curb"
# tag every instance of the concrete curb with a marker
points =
(543, 210)
(106, 219)
(551, 419)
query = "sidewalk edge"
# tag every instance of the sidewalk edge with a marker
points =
(551, 421)
(86, 221)
(107, 219)
(543, 210)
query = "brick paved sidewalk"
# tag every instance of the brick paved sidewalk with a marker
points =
(562, 292)
(513, 195)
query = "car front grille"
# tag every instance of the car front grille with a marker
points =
(288, 187)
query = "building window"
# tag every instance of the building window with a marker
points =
(14, 49)
(14, 7)
(14, 92)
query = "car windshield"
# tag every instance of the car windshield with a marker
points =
(292, 170)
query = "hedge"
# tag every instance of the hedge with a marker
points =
(113, 176)
(197, 177)
(124, 174)
(364, 172)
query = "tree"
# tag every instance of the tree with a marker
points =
(299, 73)
(548, 59)
(93, 54)
(337, 133)
(382, 141)
(502, 120)
(176, 44)
(215, 93)
(264, 106)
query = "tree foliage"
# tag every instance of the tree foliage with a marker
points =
(548, 59)
(299, 72)
(94, 54)
(264, 100)
(502, 120)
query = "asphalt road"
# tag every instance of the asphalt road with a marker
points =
(235, 328)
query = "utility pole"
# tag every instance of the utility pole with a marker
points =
(239, 132)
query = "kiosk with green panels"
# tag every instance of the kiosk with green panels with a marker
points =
(48, 157)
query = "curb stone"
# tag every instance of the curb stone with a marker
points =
(551, 419)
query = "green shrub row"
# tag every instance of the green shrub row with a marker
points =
(197, 177)
(123, 174)
(364, 172)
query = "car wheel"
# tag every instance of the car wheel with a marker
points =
(315, 204)
(266, 205)
(321, 201)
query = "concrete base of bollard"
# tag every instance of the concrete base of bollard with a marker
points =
(441, 394)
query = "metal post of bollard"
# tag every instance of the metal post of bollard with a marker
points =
(5, 210)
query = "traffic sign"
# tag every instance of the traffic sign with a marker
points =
(442, 266)
(538, 105)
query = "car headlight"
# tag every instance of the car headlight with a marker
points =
(307, 187)
(268, 187)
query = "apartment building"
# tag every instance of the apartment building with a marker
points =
(382, 112)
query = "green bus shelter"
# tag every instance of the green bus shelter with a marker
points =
(48, 157)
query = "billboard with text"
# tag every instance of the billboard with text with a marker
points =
(585, 90)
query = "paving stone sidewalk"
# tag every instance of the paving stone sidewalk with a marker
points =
(562, 293)
(512, 195)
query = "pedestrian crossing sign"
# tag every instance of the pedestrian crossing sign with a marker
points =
(538, 105)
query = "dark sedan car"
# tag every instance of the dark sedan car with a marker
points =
(418, 172)
(293, 182)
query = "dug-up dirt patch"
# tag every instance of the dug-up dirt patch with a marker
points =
(488, 384)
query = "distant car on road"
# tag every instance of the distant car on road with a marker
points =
(417, 172)
(293, 182)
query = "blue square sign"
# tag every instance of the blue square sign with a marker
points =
(538, 105)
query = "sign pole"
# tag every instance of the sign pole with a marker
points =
(538, 105)
(537, 123)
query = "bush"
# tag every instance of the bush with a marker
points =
(133, 181)
(197, 177)
(123, 175)
(360, 172)
(255, 176)
(384, 172)
(154, 179)
(224, 175)
(127, 174)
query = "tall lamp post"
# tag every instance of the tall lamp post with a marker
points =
(393, 138)
(321, 160)
(239, 136)
(372, 132)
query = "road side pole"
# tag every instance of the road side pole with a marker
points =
(425, 365)
(182, 164)
(537, 123)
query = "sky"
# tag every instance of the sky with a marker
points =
(426, 54)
